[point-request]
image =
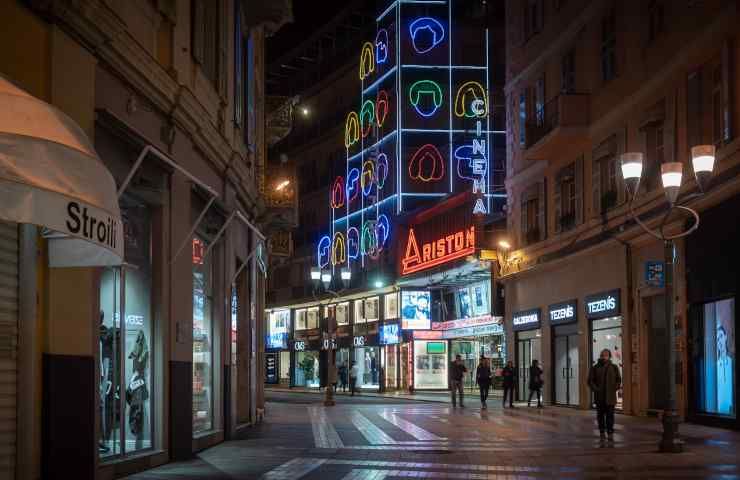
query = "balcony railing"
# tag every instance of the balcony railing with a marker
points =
(565, 110)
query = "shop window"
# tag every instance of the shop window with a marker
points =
(307, 369)
(713, 358)
(342, 313)
(278, 329)
(430, 364)
(391, 306)
(202, 338)
(301, 319)
(126, 376)
(371, 309)
(608, 47)
(312, 318)
(359, 312)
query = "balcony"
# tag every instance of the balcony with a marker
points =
(564, 123)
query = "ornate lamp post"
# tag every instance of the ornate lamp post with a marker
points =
(702, 159)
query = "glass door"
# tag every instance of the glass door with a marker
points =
(524, 360)
(573, 387)
(566, 365)
(561, 370)
(607, 333)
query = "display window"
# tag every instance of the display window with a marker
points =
(415, 310)
(469, 350)
(343, 364)
(430, 364)
(307, 369)
(713, 369)
(300, 319)
(284, 366)
(359, 312)
(278, 326)
(390, 366)
(342, 313)
(202, 338)
(125, 347)
(312, 318)
(371, 309)
(607, 333)
(367, 360)
(391, 306)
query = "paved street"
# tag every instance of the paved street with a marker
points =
(377, 439)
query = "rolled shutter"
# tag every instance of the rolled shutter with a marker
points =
(198, 26)
(542, 208)
(8, 346)
(557, 203)
(579, 190)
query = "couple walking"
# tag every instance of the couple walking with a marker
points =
(483, 378)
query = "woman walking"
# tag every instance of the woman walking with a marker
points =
(535, 383)
(483, 379)
(508, 373)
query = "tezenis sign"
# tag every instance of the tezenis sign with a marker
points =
(450, 247)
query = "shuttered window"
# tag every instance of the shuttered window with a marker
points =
(208, 40)
(8, 346)
(238, 66)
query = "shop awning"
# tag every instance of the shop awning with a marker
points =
(50, 176)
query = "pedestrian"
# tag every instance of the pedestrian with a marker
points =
(535, 383)
(605, 380)
(332, 377)
(457, 372)
(483, 379)
(353, 373)
(343, 376)
(508, 373)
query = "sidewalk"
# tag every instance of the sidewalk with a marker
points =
(436, 397)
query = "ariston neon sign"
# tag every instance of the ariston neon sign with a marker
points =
(450, 247)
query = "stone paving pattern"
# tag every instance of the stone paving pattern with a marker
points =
(385, 439)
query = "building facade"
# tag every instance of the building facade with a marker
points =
(586, 82)
(125, 364)
(423, 127)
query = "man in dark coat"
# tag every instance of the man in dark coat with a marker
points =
(605, 380)
(508, 374)
(457, 372)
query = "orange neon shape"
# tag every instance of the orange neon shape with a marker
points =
(427, 164)
(381, 107)
(450, 247)
(337, 193)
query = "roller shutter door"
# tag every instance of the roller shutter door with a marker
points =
(8, 346)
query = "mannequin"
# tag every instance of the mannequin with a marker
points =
(109, 348)
(137, 392)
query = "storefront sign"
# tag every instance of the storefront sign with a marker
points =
(271, 375)
(415, 310)
(466, 322)
(360, 341)
(299, 345)
(601, 305)
(655, 274)
(390, 334)
(564, 312)
(428, 335)
(444, 249)
(478, 330)
(526, 319)
(329, 343)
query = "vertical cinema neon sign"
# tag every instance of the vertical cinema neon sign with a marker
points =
(450, 247)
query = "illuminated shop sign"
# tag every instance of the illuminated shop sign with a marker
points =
(466, 322)
(601, 305)
(475, 331)
(415, 309)
(329, 343)
(447, 248)
(299, 345)
(564, 312)
(390, 334)
(526, 319)
(427, 335)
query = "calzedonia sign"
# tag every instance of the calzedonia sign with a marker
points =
(526, 320)
(602, 305)
(563, 312)
(445, 248)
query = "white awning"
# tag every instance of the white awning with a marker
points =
(51, 176)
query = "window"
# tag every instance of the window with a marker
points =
(205, 40)
(717, 117)
(608, 47)
(694, 108)
(532, 207)
(568, 196)
(568, 72)
(523, 118)
(202, 338)
(312, 318)
(391, 306)
(300, 320)
(654, 140)
(530, 220)
(539, 103)
(608, 167)
(371, 309)
(534, 17)
(342, 313)
(239, 64)
(655, 19)
(359, 312)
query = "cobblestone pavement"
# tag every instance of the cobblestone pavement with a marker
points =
(361, 440)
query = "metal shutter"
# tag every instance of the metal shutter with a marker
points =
(8, 346)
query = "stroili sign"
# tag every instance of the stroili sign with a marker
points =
(526, 320)
(602, 305)
(564, 312)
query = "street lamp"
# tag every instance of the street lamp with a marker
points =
(326, 278)
(702, 160)
(315, 274)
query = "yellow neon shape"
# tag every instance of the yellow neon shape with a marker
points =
(368, 175)
(351, 129)
(338, 251)
(367, 60)
(461, 99)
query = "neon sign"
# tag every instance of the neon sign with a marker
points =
(367, 62)
(425, 88)
(323, 252)
(369, 239)
(381, 46)
(351, 130)
(367, 116)
(381, 170)
(338, 252)
(471, 160)
(337, 193)
(199, 248)
(450, 247)
(471, 100)
(381, 107)
(352, 186)
(382, 230)
(426, 33)
(353, 243)
(427, 164)
(368, 176)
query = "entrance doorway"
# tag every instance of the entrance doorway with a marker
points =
(566, 365)
(528, 348)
